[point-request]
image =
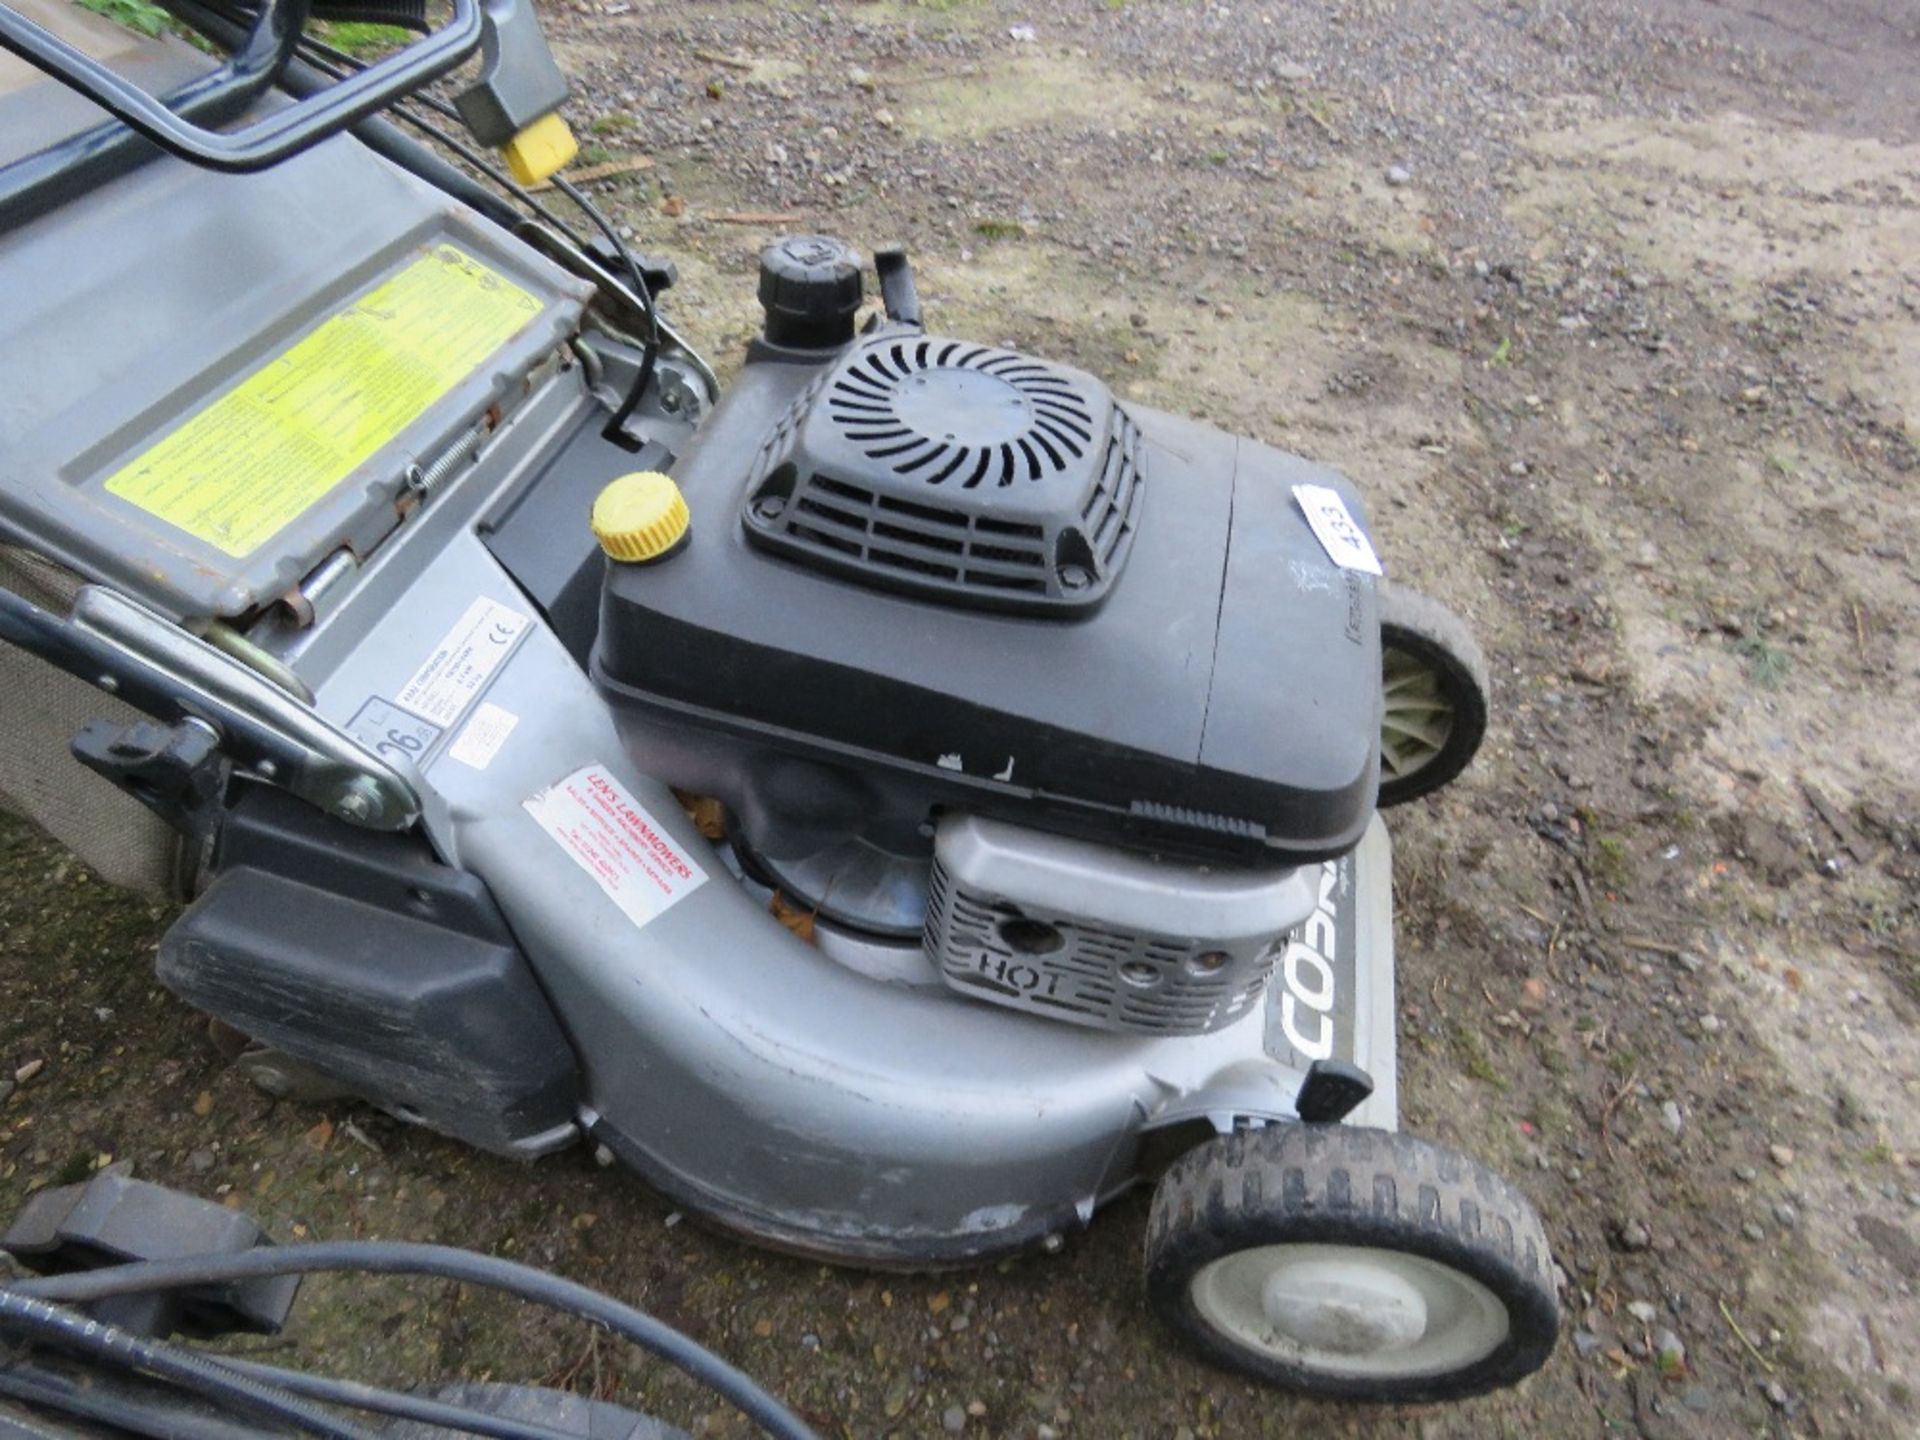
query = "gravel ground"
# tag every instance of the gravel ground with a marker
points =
(1611, 308)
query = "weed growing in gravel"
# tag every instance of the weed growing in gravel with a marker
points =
(1766, 664)
(1612, 862)
(1473, 1059)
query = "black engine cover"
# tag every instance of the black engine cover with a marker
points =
(1223, 701)
(943, 468)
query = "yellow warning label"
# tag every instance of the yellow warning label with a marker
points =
(274, 445)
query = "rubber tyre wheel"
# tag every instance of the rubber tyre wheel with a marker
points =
(1351, 1185)
(1439, 641)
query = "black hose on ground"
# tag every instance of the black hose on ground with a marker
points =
(51, 1325)
(442, 1262)
(151, 1413)
(354, 1395)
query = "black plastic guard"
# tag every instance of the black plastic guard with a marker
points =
(114, 1219)
(364, 957)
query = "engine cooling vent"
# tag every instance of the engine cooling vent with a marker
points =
(1072, 969)
(972, 474)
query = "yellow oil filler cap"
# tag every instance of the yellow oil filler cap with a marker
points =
(542, 148)
(640, 517)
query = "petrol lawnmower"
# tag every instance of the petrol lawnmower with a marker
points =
(895, 806)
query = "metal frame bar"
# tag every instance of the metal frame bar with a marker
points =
(161, 670)
(44, 180)
(274, 137)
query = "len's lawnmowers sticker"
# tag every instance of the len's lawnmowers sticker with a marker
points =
(274, 445)
(610, 835)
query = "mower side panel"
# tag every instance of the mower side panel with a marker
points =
(737, 1067)
(1331, 996)
(743, 1071)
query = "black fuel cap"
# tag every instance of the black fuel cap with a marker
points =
(810, 291)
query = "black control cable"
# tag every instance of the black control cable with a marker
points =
(70, 1392)
(650, 352)
(355, 1395)
(338, 64)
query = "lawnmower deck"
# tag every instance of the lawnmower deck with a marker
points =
(739, 1068)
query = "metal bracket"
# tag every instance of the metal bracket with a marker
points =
(261, 727)
(898, 294)
(659, 272)
(626, 309)
(162, 671)
(176, 771)
(1332, 1090)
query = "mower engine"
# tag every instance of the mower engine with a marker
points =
(925, 587)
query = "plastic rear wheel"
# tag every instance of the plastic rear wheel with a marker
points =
(1351, 1263)
(1434, 680)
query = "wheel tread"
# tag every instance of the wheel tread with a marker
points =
(1339, 1190)
(1335, 1182)
(1423, 627)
